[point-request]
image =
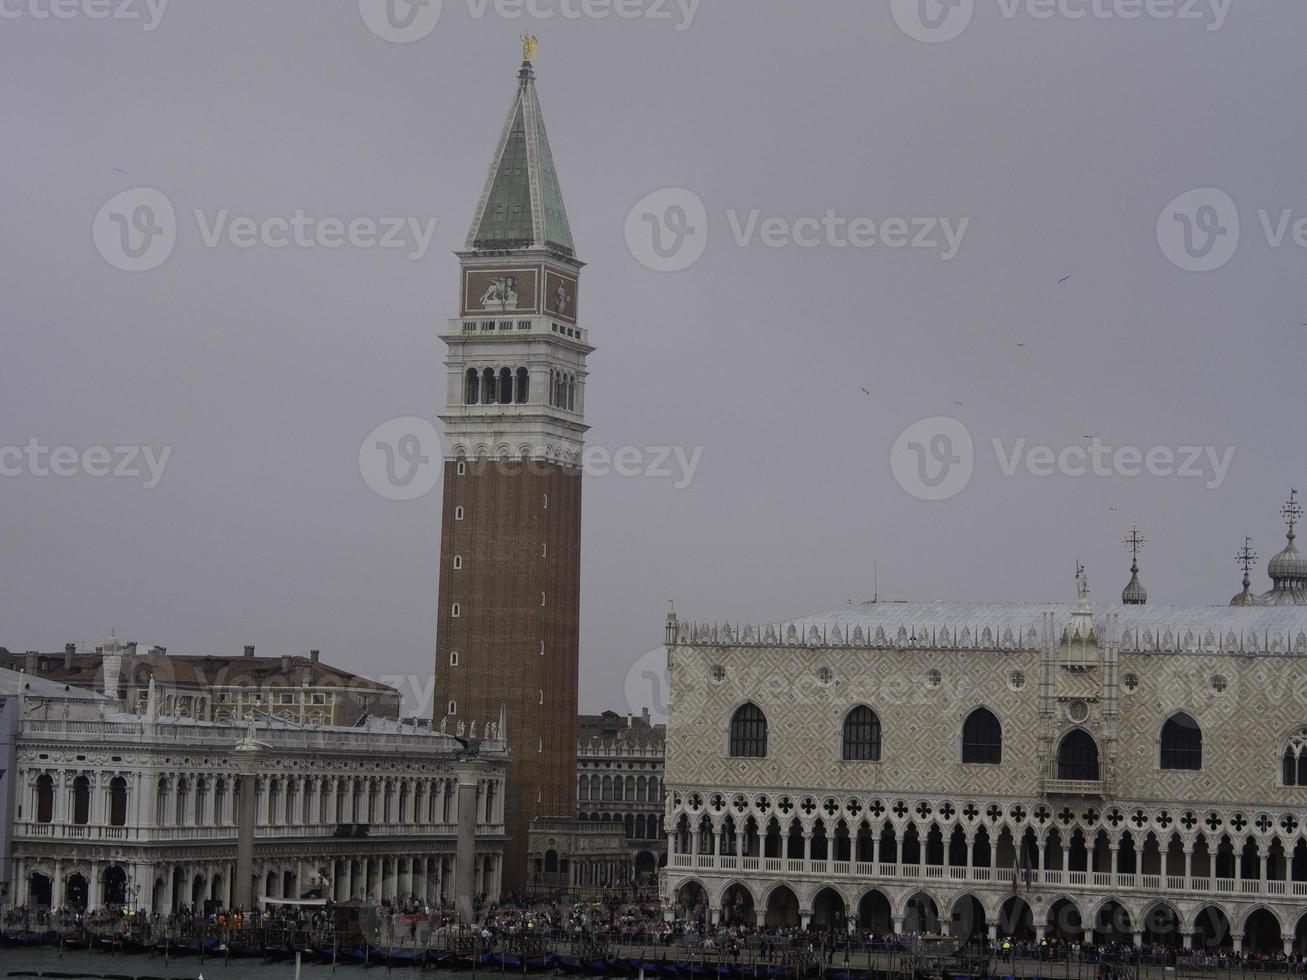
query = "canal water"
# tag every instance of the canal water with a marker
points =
(96, 964)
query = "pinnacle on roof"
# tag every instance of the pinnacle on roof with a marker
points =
(1134, 593)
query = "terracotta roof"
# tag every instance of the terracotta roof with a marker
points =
(87, 670)
(612, 727)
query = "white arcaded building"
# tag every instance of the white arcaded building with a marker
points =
(1080, 770)
(108, 808)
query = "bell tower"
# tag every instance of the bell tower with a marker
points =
(507, 626)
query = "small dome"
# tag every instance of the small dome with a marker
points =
(1289, 566)
(1134, 594)
(1244, 598)
(1288, 569)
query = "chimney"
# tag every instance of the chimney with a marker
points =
(285, 663)
(156, 654)
(249, 651)
(644, 715)
(629, 722)
(314, 654)
(69, 650)
(31, 661)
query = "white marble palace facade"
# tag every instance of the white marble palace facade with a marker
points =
(118, 809)
(1126, 772)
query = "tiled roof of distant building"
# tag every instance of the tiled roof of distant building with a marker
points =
(609, 726)
(87, 670)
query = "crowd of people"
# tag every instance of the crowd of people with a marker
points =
(618, 922)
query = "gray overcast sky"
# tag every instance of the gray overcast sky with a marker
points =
(1060, 139)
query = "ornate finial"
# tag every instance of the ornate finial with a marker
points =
(1134, 543)
(1082, 583)
(1134, 593)
(1246, 559)
(530, 47)
(1292, 513)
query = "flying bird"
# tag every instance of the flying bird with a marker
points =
(866, 391)
(1021, 345)
(1063, 279)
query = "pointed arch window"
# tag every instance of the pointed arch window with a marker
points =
(748, 732)
(1182, 743)
(1295, 759)
(861, 735)
(472, 387)
(1077, 757)
(982, 739)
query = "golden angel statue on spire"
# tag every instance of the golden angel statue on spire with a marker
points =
(530, 47)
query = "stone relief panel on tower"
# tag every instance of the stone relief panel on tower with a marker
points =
(513, 290)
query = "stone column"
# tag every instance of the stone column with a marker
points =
(248, 759)
(93, 887)
(57, 885)
(1188, 868)
(465, 852)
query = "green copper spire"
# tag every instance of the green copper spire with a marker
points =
(522, 204)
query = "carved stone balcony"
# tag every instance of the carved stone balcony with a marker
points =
(1075, 787)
